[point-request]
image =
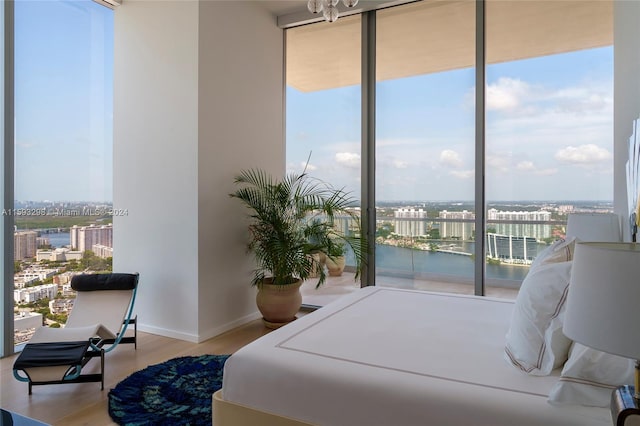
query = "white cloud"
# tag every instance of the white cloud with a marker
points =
(498, 163)
(23, 144)
(462, 174)
(528, 102)
(348, 159)
(526, 166)
(581, 99)
(583, 155)
(450, 158)
(310, 167)
(507, 94)
(399, 164)
(529, 167)
(546, 172)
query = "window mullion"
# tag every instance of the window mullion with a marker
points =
(368, 168)
(480, 223)
(8, 178)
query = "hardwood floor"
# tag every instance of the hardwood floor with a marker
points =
(86, 404)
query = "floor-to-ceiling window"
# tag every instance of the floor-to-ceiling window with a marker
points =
(63, 155)
(549, 126)
(473, 179)
(425, 144)
(323, 119)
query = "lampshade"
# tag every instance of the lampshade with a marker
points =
(604, 297)
(594, 226)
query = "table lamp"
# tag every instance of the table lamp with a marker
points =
(602, 310)
(594, 226)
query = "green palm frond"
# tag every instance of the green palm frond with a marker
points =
(291, 219)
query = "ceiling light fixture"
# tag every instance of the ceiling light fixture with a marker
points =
(329, 8)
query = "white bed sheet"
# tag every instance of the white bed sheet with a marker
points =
(393, 357)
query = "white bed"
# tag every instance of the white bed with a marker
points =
(391, 357)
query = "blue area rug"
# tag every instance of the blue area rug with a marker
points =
(175, 392)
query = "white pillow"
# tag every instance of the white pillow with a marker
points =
(558, 251)
(535, 343)
(590, 376)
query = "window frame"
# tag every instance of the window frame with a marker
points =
(7, 70)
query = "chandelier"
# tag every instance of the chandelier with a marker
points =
(329, 8)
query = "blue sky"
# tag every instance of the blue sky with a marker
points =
(549, 132)
(63, 100)
(549, 121)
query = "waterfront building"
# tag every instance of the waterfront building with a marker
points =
(21, 281)
(58, 255)
(102, 251)
(42, 241)
(517, 223)
(511, 248)
(410, 222)
(458, 230)
(24, 244)
(566, 209)
(33, 294)
(32, 274)
(85, 237)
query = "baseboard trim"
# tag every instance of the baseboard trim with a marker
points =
(146, 328)
(229, 326)
(199, 338)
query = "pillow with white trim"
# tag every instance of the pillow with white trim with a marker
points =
(535, 343)
(559, 251)
(590, 376)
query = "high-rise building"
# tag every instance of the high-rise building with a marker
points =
(458, 230)
(511, 249)
(102, 251)
(410, 222)
(24, 244)
(85, 237)
(519, 227)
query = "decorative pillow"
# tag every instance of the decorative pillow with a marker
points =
(535, 343)
(558, 251)
(589, 377)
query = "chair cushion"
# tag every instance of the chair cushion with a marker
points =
(94, 282)
(51, 354)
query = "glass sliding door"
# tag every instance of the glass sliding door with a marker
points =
(63, 155)
(425, 146)
(549, 127)
(323, 122)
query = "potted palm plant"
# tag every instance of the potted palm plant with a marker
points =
(292, 219)
(335, 260)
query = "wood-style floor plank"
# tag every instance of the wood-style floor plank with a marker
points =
(86, 404)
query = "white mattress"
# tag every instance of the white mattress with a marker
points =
(394, 357)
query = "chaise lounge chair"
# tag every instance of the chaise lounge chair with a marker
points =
(96, 325)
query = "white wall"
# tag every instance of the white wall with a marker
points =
(241, 115)
(198, 97)
(626, 108)
(156, 160)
